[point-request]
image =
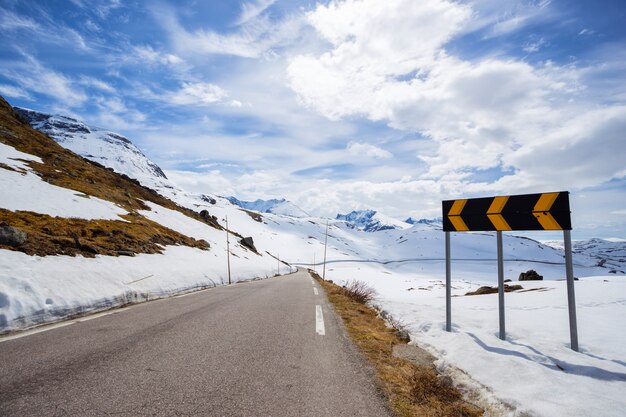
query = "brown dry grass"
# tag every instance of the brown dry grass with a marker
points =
(55, 235)
(412, 390)
(61, 167)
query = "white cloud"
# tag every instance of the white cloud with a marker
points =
(482, 114)
(255, 37)
(33, 77)
(197, 94)
(251, 10)
(96, 83)
(532, 47)
(147, 54)
(10, 21)
(13, 91)
(367, 150)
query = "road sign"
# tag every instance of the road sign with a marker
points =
(546, 211)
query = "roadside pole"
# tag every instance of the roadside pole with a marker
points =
(571, 298)
(228, 249)
(278, 264)
(325, 245)
(501, 285)
(448, 285)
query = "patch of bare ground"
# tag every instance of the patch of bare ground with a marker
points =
(413, 390)
(53, 235)
(494, 290)
(47, 235)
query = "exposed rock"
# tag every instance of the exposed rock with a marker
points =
(414, 354)
(494, 290)
(403, 335)
(248, 242)
(125, 253)
(530, 275)
(12, 236)
(208, 199)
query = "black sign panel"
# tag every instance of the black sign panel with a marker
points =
(546, 211)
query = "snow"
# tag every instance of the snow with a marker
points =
(24, 190)
(533, 369)
(37, 289)
(275, 206)
(371, 221)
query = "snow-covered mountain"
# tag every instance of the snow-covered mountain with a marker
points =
(434, 223)
(370, 221)
(99, 145)
(609, 254)
(276, 206)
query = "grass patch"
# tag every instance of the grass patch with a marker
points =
(49, 235)
(412, 390)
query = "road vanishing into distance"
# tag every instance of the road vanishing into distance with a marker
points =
(264, 348)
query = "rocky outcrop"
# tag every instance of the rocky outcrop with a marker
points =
(530, 275)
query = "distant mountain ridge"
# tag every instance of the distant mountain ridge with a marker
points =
(275, 206)
(370, 221)
(99, 145)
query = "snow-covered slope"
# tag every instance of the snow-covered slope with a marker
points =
(610, 254)
(275, 206)
(434, 223)
(99, 145)
(370, 221)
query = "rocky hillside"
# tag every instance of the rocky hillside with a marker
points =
(44, 165)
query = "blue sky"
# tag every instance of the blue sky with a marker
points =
(392, 105)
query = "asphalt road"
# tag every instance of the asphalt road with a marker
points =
(250, 349)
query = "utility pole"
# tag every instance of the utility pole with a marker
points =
(278, 264)
(228, 249)
(314, 262)
(325, 245)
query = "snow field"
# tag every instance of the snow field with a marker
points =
(533, 370)
(26, 191)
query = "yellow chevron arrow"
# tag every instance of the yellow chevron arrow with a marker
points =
(454, 215)
(494, 211)
(542, 209)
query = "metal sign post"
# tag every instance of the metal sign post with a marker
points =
(448, 285)
(571, 298)
(546, 211)
(501, 286)
(228, 250)
(325, 246)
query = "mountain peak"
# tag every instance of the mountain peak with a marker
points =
(370, 221)
(99, 145)
(275, 206)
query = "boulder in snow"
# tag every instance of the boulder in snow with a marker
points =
(12, 236)
(248, 242)
(530, 275)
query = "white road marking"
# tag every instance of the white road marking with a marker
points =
(46, 327)
(319, 321)
(315, 291)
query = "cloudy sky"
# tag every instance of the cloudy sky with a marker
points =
(386, 104)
